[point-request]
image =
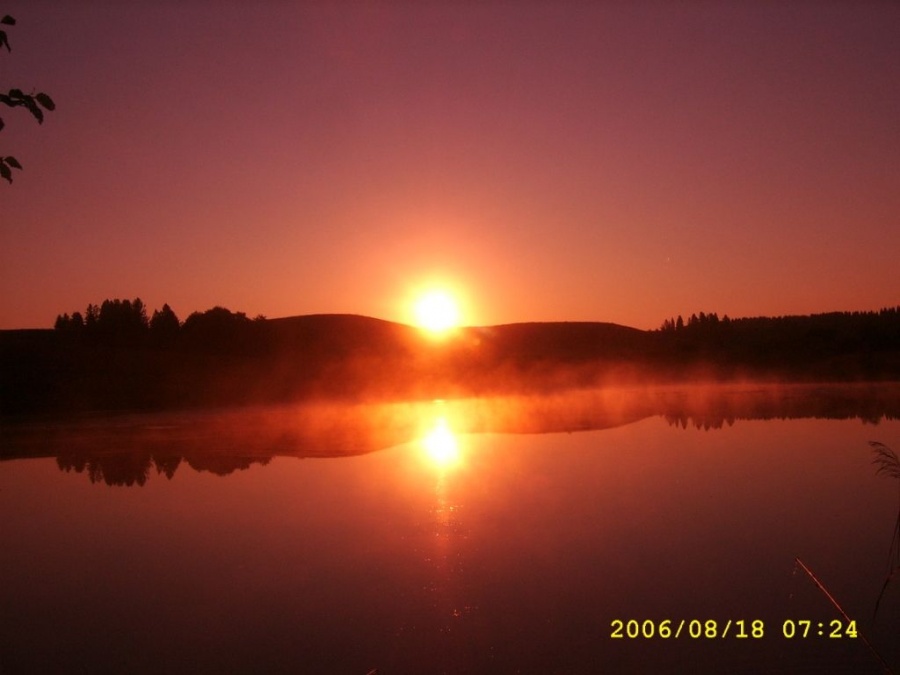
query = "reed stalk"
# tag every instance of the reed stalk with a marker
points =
(888, 466)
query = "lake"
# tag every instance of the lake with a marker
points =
(513, 535)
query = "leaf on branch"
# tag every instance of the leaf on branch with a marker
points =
(34, 109)
(3, 41)
(5, 172)
(45, 101)
(12, 161)
(1, 124)
(6, 100)
(8, 20)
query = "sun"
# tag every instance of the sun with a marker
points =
(437, 311)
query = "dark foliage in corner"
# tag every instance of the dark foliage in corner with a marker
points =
(35, 103)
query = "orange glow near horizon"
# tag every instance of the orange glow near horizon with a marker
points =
(394, 165)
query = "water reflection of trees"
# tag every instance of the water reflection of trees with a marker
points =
(705, 408)
(135, 468)
(698, 423)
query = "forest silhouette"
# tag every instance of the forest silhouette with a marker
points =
(116, 357)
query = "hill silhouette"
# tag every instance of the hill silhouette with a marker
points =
(114, 357)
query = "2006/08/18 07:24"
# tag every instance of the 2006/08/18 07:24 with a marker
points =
(737, 628)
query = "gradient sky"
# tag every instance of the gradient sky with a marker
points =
(614, 161)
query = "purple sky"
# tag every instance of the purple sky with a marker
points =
(613, 161)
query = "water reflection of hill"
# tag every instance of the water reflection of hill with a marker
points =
(128, 449)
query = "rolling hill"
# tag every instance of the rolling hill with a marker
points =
(222, 358)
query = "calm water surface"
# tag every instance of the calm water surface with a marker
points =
(453, 552)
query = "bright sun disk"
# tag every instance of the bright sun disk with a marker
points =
(437, 311)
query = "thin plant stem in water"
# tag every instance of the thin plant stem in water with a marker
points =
(889, 466)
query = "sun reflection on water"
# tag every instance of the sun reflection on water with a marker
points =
(441, 445)
(443, 449)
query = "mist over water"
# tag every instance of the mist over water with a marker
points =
(212, 439)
